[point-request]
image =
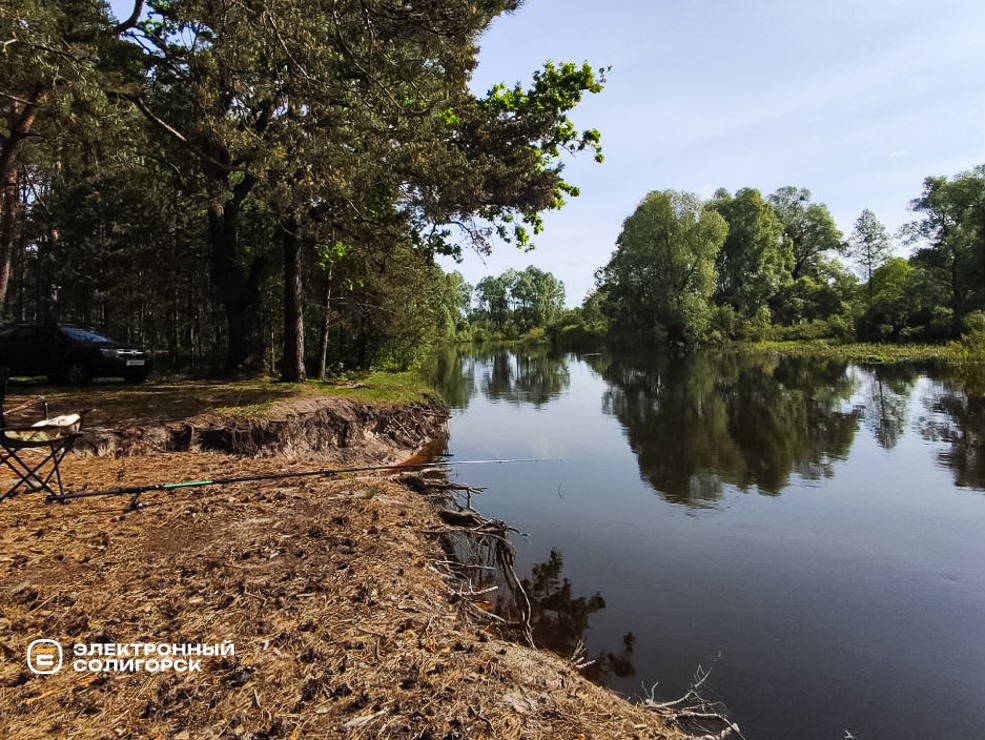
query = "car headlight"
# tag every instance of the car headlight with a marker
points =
(109, 353)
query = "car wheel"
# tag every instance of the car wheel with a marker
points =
(78, 373)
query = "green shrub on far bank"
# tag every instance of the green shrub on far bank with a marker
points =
(537, 335)
(581, 336)
(955, 352)
(973, 339)
(837, 328)
(728, 326)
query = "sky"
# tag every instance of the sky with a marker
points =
(856, 100)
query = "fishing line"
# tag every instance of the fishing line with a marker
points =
(135, 491)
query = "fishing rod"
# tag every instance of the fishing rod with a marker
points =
(136, 491)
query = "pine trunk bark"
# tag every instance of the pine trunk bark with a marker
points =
(326, 327)
(293, 370)
(20, 124)
(238, 285)
(8, 229)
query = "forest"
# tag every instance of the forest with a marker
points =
(265, 185)
(744, 268)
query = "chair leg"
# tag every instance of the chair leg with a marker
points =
(35, 477)
(56, 461)
(27, 475)
(22, 473)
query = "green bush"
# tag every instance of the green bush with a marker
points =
(725, 326)
(973, 337)
(841, 328)
(582, 337)
(537, 335)
(759, 327)
(941, 325)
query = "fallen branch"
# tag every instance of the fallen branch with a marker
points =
(693, 706)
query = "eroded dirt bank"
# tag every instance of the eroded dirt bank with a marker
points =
(326, 426)
(332, 591)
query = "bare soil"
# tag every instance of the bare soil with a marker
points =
(333, 591)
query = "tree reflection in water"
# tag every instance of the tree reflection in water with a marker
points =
(559, 620)
(702, 420)
(887, 402)
(535, 376)
(526, 375)
(956, 416)
(452, 371)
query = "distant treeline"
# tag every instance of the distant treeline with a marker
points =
(744, 267)
(516, 304)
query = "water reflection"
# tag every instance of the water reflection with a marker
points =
(700, 421)
(675, 423)
(532, 375)
(955, 415)
(887, 402)
(808, 595)
(559, 620)
(452, 371)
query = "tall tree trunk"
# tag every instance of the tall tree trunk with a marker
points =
(238, 285)
(8, 229)
(241, 301)
(326, 326)
(293, 370)
(21, 121)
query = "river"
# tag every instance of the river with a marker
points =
(811, 531)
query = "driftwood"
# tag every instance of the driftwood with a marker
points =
(693, 712)
(461, 518)
(420, 482)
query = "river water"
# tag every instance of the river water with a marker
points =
(811, 531)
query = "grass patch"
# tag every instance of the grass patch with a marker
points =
(377, 387)
(953, 353)
(254, 411)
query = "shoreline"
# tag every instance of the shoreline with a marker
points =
(954, 354)
(333, 593)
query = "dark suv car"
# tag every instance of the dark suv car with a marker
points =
(73, 354)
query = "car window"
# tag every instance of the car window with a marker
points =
(83, 335)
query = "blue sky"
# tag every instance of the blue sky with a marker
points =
(856, 100)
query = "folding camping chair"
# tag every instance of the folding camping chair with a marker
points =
(34, 453)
